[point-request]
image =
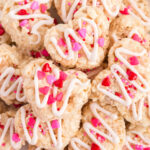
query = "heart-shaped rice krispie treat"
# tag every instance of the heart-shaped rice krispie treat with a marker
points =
(83, 42)
(9, 138)
(103, 129)
(51, 92)
(50, 134)
(68, 8)
(27, 22)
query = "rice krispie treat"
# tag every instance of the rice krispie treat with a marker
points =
(127, 26)
(127, 78)
(4, 37)
(138, 138)
(9, 138)
(83, 42)
(52, 134)
(10, 76)
(138, 9)
(27, 22)
(103, 129)
(52, 92)
(67, 8)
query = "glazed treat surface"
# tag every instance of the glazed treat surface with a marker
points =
(83, 42)
(103, 128)
(68, 8)
(51, 92)
(137, 138)
(10, 79)
(27, 22)
(52, 134)
(9, 138)
(138, 9)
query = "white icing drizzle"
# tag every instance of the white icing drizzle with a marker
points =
(112, 136)
(66, 96)
(138, 115)
(57, 143)
(92, 56)
(146, 20)
(5, 77)
(129, 140)
(66, 17)
(78, 141)
(10, 124)
(115, 68)
(48, 20)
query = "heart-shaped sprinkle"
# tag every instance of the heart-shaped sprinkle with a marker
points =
(31, 122)
(15, 137)
(51, 99)
(134, 60)
(63, 75)
(40, 75)
(76, 46)
(101, 42)
(106, 81)
(82, 33)
(34, 5)
(55, 124)
(44, 90)
(46, 68)
(50, 79)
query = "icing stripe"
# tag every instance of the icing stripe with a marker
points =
(112, 136)
(5, 77)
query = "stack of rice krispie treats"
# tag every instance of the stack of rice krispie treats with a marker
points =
(74, 75)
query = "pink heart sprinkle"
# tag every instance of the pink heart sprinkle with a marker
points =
(82, 33)
(63, 75)
(76, 46)
(15, 137)
(136, 38)
(59, 96)
(40, 75)
(45, 53)
(55, 124)
(44, 90)
(101, 42)
(34, 5)
(61, 42)
(95, 122)
(134, 60)
(138, 147)
(43, 8)
(31, 122)
(50, 79)
(23, 23)
(51, 99)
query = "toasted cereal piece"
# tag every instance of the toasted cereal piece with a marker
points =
(138, 9)
(127, 78)
(138, 138)
(68, 8)
(10, 76)
(52, 134)
(9, 138)
(103, 128)
(27, 22)
(72, 45)
(3, 107)
(127, 26)
(51, 92)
